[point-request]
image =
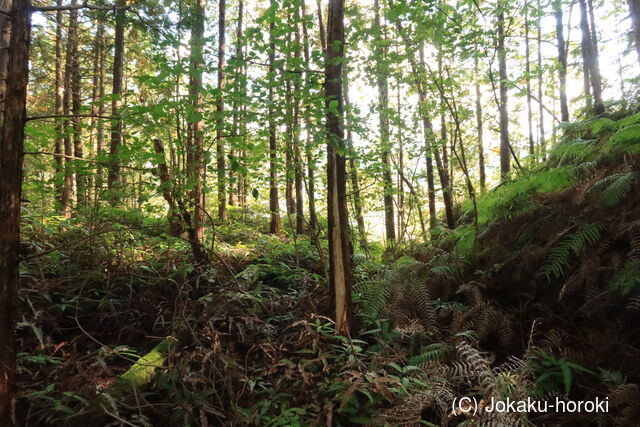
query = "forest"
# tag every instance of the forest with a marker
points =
(319, 213)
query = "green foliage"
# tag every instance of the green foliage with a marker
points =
(558, 256)
(556, 374)
(614, 188)
(626, 281)
(626, 140)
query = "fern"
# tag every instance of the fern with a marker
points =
(626, 140)
(435, 351)
(579, 149)
(617, 187)
(558, 257)
(627, 279)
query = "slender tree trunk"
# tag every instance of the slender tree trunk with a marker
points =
(562, 61)
(402, 223)
(323, 37)
(339, 250)
(297, 155)
(274, 204)
(594, 71)
(116, 102)
(634, 11)
(505, 158)
(383, 115)
(353, 171)
(586, 52)
(236, 113)
(220, 150)
(313, 217)
(100, 111)
(527, 70)
(445, 168)
(542, 142)
(78, 149)
(288, 154)
(59, 89)
(67, 191)
(195, 160)
(175, 228)
(15, 28)
(95, 95)
(480, 127)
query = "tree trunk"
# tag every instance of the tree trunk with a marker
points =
(75, 80)
(634, 11)
(15, 28)
(274, 204)
(313, 217)
(297, 156)
(175, 228)
(59, 89)
(383, 115)
(594, 71)
(116, 103)
(479, 127)
(562, 61)
(195, 150)
(585, 46)
(505, 157)
(339, 250)
(541, 142)
(222, 197)
(353, 172)
(100, 107)
(236, 113)
(95, 96)
(527, 70)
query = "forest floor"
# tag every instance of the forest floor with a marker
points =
(118, 327)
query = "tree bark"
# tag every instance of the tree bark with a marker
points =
(383, 116)
(313, 217)
(541, 142)
(585, 47)
(527, 70)
(297, 155)
(220, 149)
(562, 61)
(239, 87)
(594, 71)
(353, 172)
(75, 87)
(175, 228)
(634, 11)
(339, 249)
(505, 157)
(116, 102)
(59, 95)
(274, 204)
(195, 151)
(479, 127)
(15, 29)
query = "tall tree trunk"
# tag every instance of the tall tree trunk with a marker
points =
(541, 142)
(15, 28)
(288, 152)
(339, 250)
(445, 168)
(67, 191)
(313, 217)
(479, 127)
(195, 159)
(75, 88)
(562, 61)
(594, 71)
(402, 223)
(505, 157)
(222, 197)
(634, 11)
(116, 102)
(323, 38)
(353, 171)
(383, 115)
(585, 46)
(95, 95)
(297, 155)
(274, 204)
(175, 228)
(527, 70)
(101, 108)
(236, 113)
(59, 89)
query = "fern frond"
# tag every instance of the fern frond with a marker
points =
(627, 279)
(558, 256)
(617, 187)
(435, 351)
